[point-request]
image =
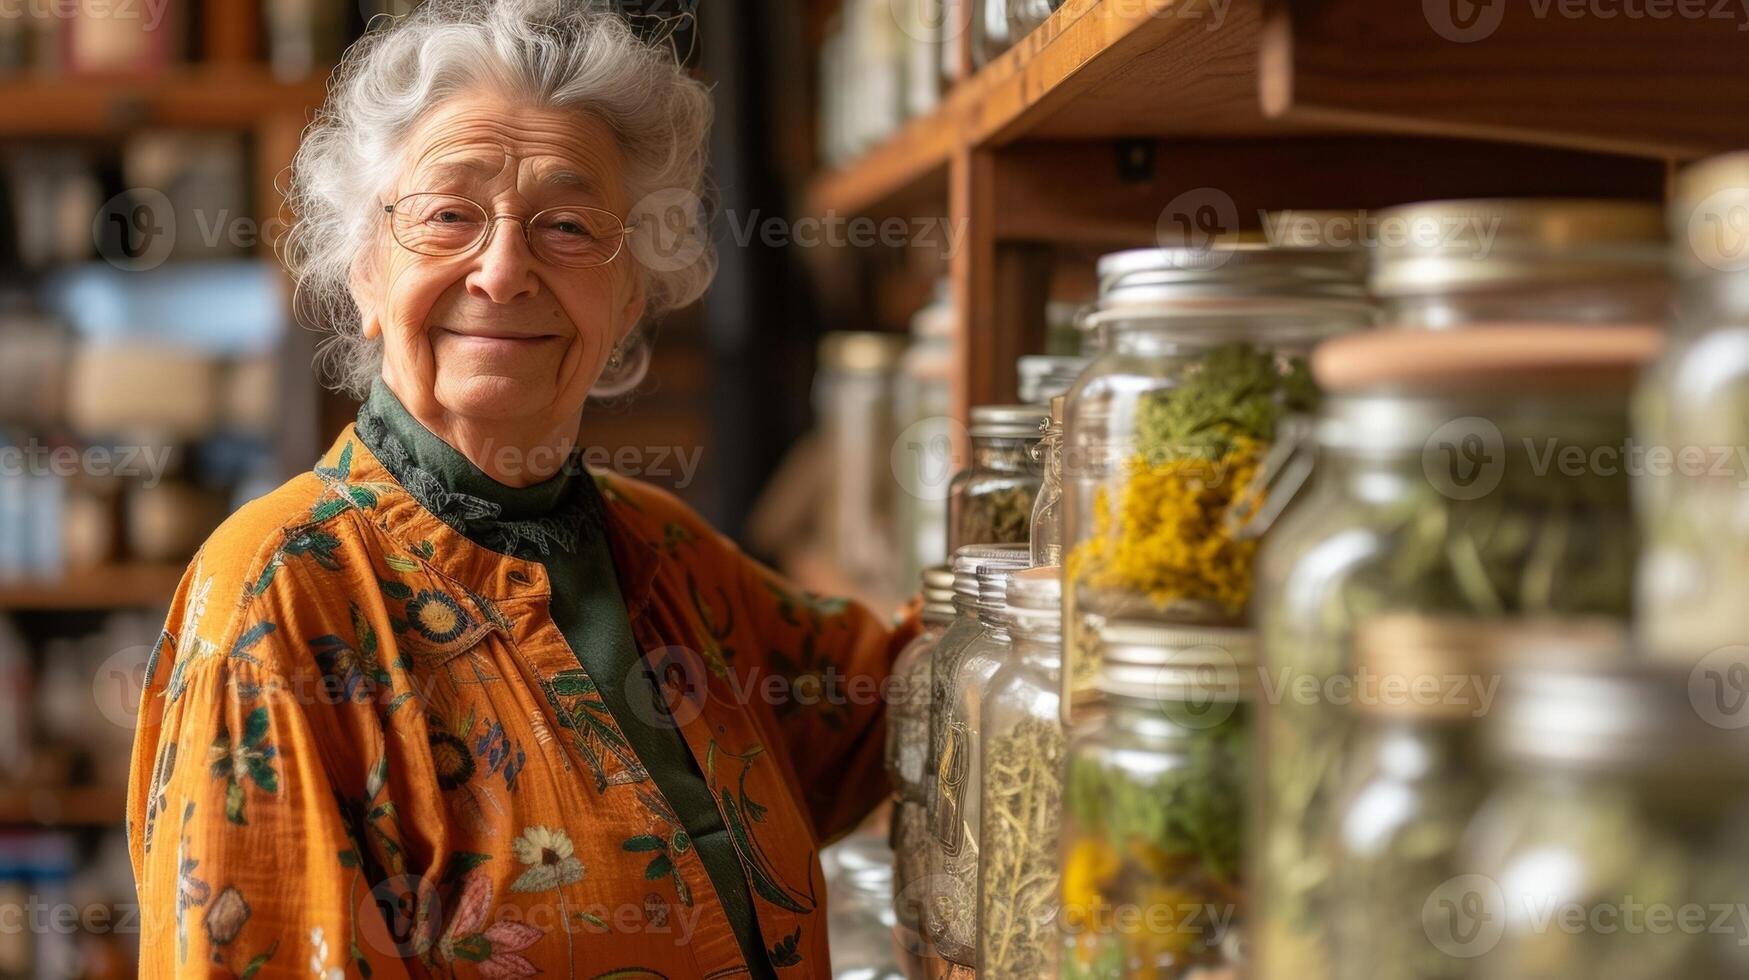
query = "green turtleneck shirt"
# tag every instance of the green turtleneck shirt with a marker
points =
(559, 523)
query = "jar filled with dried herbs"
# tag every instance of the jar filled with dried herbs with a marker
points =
(977, 636)
(1164, 432)
(1693, 406)
(990, 501)
(1047, 510)
(1450, 264)
(1154, 799)
(1423, 687)
(1474, 473)
(1021, 788)
(907, 755)
(1612, 848)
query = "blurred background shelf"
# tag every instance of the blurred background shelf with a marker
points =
(62, 807)
(107, 587)
(200, 97)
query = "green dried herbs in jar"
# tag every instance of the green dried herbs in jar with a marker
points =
(1476, 473)
(1423, 688)
(1021, 788)
(907, 755)
(1154, 800)
(1612, 847)
(962, 661)
(991, 501)
(1206, 356)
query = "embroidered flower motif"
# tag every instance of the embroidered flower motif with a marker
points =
(437, 617)
(551, 859)
(226, 916)
(497, 948)
(455, 765)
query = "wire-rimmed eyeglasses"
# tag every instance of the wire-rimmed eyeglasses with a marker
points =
(573, 236)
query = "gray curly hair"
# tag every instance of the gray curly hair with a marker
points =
(562, 53)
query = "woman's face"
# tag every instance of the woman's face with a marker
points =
(497, 335)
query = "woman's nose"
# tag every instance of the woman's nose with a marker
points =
(504, 270)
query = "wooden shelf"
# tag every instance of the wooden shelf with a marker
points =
(1109, 69)
(103, 587)
(89, 806)
(201, 97)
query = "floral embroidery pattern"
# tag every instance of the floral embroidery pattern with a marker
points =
(159, 801)
(249, 759)
(353, 668)
(552, 861)
(191, 892)
(226, 916)
(595, 732)
(501, 754)
(496, 948)
(437, 617)
(669, 842)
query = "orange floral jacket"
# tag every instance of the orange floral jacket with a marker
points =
(366, 750)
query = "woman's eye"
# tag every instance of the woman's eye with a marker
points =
(567, 227)
(448, 217)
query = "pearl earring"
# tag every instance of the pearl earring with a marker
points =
(616, 357)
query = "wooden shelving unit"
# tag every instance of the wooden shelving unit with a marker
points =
(103, 587)
(62, 807)
(198, 97)
(1089, 129)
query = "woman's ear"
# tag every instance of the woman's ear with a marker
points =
(363, 279)
(632, 312)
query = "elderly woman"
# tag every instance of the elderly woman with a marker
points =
(451, 704)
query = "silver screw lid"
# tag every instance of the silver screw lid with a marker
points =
(1145, 658)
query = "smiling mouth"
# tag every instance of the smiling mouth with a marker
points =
(497, 336)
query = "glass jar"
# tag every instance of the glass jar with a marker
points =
(1153, 807)
(1452, 263)
(1045, 376)
(1444, 486)
(1693, 410)
(1046, 538)
(949, 907)
(990, 501)
(1020, 776)
(907, 754)
(923, 451)
(1024, 16)
(1422, 688)
(853, 398)
(1612, 847)
(1207, 353)
(989, 30)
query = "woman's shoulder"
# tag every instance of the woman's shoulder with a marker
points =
(247, 574)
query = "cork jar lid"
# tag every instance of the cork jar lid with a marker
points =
(1528, 355)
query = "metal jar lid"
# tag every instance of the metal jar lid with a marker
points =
(1709, 211)
(1618, 716)
(938, 592)
(1035, 602)
(1044, 376)
(1147, 658)
(860, 352)
(1443, 246)
(1164, 277)
(1008, 421)
(968, 559)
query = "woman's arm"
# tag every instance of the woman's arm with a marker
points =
(836, 659)
(241, 853)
